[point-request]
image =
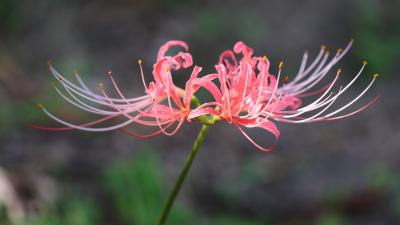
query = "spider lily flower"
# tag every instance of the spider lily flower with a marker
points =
(162, 106)
(250, 96)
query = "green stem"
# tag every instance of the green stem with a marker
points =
(182, 175)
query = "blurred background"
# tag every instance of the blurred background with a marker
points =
(333, 173)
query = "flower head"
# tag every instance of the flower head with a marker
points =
(162, 106)
(250, 96)
(245, 93)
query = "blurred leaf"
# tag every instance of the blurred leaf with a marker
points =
(73, 211)
(377, 39)
(81, 211)
(330, 219)
(138, 191)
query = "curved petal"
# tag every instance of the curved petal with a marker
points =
(241, 47)
(164, 48)
(191, 87)
(268, 126)
(226, 58)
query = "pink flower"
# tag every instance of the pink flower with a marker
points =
(250, 96)
(163, 105)
(244, 93)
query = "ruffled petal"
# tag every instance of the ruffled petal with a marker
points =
(241, 47)
(164, 48)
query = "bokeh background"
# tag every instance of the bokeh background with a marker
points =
(334, 173)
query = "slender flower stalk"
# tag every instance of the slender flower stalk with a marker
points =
(182, 176)
(244, 93)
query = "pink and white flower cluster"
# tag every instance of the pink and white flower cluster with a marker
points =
(244, 93)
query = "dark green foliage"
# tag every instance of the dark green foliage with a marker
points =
(138, 191)
(377, 34)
